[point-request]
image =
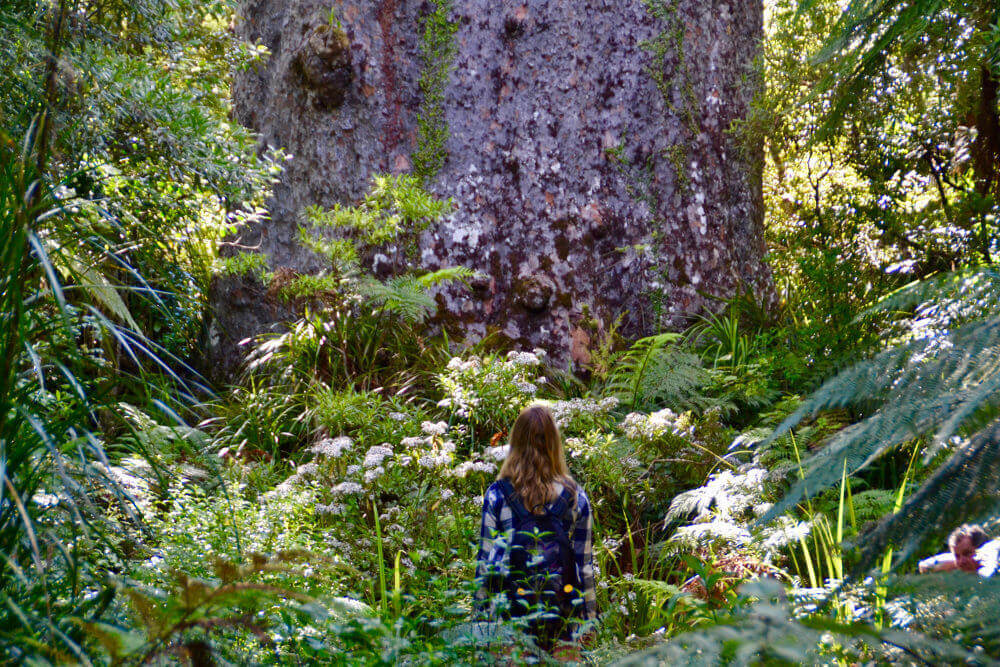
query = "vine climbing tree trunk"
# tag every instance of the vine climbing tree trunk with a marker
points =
(595, 151)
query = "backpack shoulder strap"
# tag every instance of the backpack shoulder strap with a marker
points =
(507, 489)
(557, 513)
(561, 506)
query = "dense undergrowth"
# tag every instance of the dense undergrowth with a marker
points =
(761, 482)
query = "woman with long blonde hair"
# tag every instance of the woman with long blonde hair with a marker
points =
(536, 535)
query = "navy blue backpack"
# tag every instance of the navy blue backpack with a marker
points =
(543, 580)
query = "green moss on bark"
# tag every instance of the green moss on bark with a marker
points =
(437, 51)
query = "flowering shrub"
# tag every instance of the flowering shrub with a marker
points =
(684, 446)
(489, 392)
(583, 415)
(608, 468)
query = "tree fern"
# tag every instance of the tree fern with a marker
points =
(940, 384)
(964, 606)
(402, 295)
(655, 372)
(868, 32)
(408, 295)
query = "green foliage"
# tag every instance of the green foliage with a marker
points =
(764, 629)
(870, 178)
(352, 436)
(656, 372)
(347, 344)
(57, 350)
(260, 420)
(109, 207)
(437, 50)
(363, 331)
(147, 159)
(366, 416)
(396, 210)
(182, 623)
(251, 264)
(941, 383)
(407, 296)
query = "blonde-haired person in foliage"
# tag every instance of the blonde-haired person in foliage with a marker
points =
(536, 536)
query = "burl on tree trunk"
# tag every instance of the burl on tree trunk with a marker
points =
(593, 149)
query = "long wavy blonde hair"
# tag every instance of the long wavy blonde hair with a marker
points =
(536, 459)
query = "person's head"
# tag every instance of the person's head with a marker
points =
(963, 543)
(536, 458)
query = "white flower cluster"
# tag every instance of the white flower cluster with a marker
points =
(631, 462)
(433, 460)
(498, 453)
(347, 489)
(639, 426)
(568, 412)
(533, 358)
(332, 447)
(460, 399)
(459, 364)
(718, 530)
(45, 500)
(333, 509)
(464, 468)
(509, 381)
(306, 470)
(376, 454)
(434, 428)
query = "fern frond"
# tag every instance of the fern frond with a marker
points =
(655, 372)
(690, 504)
(403, 295)
(950, 295)
(931, 386)
(967, 603)
(768, 632)
(873, 504)
(941, 384)
(965, 486)
(860, 45)
(446, 275)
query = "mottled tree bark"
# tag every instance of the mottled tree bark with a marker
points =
(594, 178)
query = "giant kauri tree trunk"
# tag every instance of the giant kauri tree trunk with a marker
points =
(593, 148)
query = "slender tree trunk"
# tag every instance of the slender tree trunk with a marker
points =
(986, 148)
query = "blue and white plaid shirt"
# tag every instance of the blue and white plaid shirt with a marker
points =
(497, 532)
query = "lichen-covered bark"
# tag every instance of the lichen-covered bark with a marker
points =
(583, 181)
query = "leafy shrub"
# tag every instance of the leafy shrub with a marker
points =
(488, 392)
(684, 446)
(367, 416)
